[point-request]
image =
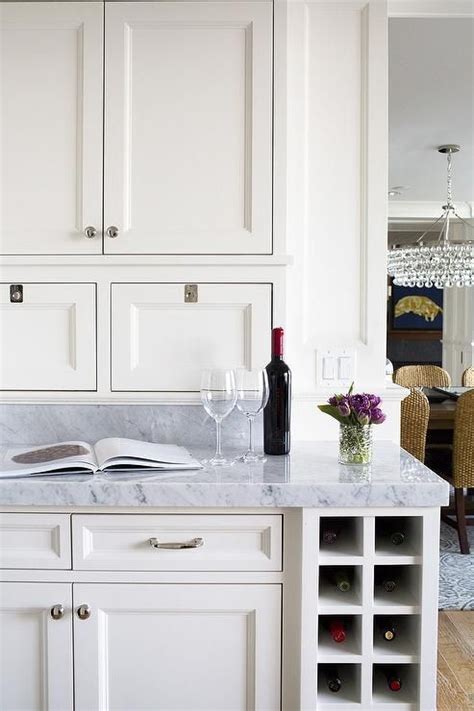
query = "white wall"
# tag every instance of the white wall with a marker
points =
(336, 223)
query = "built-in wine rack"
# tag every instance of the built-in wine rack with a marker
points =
(370, 583)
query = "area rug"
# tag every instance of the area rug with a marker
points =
(456, 572)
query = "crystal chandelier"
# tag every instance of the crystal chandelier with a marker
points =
(441, 263)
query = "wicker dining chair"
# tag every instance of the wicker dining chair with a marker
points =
(422, 376)
(467, 379)
(415, 413)
(461, 475)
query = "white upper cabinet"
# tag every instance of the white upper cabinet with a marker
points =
(163, 335)
(188, 128)
(51, 97)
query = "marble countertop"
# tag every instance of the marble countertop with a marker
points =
(309, 477)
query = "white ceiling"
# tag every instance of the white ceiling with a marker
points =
(431, 102)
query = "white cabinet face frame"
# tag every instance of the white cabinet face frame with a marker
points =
(201, 647)
(188, 127)
(35, 649)
(48, 340)
(161, 343)
(51, 99)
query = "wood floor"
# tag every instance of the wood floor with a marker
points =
(456, 661)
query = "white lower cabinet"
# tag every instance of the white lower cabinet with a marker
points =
(163, 647)
(47, 336)
(35, 648)
(164, 335)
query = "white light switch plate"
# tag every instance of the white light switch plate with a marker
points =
(335, 367)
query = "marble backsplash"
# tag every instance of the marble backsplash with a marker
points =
(187, 425)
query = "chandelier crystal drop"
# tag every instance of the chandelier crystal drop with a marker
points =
(443, 263)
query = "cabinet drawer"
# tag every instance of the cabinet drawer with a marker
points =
(35, 541)
(161, 341)
(47, 336)
(230, 542)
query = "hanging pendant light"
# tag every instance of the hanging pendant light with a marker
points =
(443, 262)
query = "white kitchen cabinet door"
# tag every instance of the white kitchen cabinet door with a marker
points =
(47, 339)
(169, 647)
(35, 649)
(188, 137)
(51, 127)
(160, 342)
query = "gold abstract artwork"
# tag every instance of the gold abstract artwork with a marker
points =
(419, 305)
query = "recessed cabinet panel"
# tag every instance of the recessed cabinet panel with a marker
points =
(188, 140)
(35, 648)
(51, 127)
(169, 647)
(162, 342)
(47, 337)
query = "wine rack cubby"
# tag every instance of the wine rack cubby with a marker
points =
(371, 634)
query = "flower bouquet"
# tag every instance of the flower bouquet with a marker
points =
(356, 414)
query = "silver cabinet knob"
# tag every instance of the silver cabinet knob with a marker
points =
(112, 232)
(16, 296)
(57, 611)
(83, 612)
(90, 232)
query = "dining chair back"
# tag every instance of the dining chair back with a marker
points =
(467, 379)
(462, 470)
(422, 376)
(415, 413)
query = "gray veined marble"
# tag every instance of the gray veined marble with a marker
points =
(309, 477)
(186, 425)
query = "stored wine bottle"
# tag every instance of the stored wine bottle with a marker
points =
(330, 534)
(392, 532)
(337, 631)
(388, 630)
(332, 680)
(276, 416)
(341, 580)
(394, 682)
(387, 579)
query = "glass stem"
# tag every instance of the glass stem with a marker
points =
(218, 453)
(251, 449)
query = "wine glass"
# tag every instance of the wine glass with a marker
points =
(252, 396)
(218, 396)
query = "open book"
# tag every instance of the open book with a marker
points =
(109, 454)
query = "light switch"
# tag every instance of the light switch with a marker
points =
(345, 370)
(335, 367)
(329, 368)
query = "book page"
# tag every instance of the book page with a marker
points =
(24, 460)
(115, 451)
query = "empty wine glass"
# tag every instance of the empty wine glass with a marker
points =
(218, 396)
(252, 396)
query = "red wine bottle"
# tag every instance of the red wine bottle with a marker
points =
(394, 682)
(276, 416)
(332, 680)
(392, 532)
(337, 631)
(388, 630)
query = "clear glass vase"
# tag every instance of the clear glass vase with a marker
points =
(355, 444)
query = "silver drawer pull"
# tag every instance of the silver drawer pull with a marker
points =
(193, 543)
(84, 612)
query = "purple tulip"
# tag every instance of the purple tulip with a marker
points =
(363, 417)
(377, 416)
(344, 407)
(374, 400)
(359, 403)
